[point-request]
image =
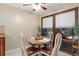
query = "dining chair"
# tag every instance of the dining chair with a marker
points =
(51, 36)
(26, 51)
(53, 51)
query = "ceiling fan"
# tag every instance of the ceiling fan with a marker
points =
(36, 6)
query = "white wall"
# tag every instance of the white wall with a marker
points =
(16, 20)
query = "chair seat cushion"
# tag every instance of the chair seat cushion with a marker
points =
(47, 50)
(32, 50)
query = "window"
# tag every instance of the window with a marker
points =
(48, 22)
(65, 20)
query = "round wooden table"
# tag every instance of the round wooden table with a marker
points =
(39, 42)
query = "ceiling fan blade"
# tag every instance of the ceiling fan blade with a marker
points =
(26, 4)
(43, 7)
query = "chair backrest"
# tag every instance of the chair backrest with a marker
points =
(57, 44)
(21, 44)
(51, 36)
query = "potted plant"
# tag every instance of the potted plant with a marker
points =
(76, 30)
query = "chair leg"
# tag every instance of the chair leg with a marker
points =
(22, 53)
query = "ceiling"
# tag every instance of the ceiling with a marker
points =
(50, 7)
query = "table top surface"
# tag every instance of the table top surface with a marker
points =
(32, 40)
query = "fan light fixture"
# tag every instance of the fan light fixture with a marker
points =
(36, 6)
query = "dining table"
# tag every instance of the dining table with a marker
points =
(38, 41)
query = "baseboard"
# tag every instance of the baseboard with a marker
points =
(12, 50)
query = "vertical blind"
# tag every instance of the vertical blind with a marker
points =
(65, 20)
(48, 22)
